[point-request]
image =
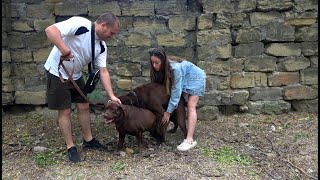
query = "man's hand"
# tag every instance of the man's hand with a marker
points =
(113, 98)
(165, 117)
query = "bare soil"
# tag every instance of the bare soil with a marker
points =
(278, 146)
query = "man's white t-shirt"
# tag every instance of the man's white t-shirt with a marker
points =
(76, 33)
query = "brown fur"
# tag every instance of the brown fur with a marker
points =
(130, 120)
(153, 96)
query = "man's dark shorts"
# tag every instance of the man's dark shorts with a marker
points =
(61, 95)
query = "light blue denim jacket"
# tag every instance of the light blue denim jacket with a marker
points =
(188, 78)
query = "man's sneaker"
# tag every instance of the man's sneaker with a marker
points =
(94, 144)
(186, 145)
(73, 155)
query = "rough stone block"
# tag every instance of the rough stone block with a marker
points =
(283, 78)
(98, 9)
(283, 49)
(309, 76)
(250, 49)
(172, 39)
(264, 18)
(27, 97)
(268, 107)
(266, 94)
(136, 39)
(180, 23)
(278, 32)
(124, 84)
(128, 69)
(215, 67)
(248, 35)
(208, 113)
(70, 9)
(213, 37)
(137, 9)
(240, 80)
(260, 63)
(309, 48)
(307, 33)
(215, 52)
(298, 92)
(305, 105)
(267, 5)
(218, 6)
(293, 63)
(205, 21)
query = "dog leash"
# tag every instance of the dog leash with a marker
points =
(72, 81)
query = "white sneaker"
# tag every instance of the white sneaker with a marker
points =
(186, 145)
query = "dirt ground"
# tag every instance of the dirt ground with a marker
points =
(238, 146)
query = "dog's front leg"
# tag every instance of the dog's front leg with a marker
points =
(139, 138)
(121, 141)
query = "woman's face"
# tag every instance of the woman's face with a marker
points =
(156, 63)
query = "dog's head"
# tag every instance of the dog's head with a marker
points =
(113, 111)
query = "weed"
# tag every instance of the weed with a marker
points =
(227, 155)
(300, 135)
(119, 165)
(44, 158)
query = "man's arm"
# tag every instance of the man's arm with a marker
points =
(106, 83)
(54, 35)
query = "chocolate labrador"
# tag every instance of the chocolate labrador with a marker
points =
(130, 120)
(153, 96)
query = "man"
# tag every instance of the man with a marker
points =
(72, 39)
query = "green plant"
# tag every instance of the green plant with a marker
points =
(227, 155)
(300, 135)
(119, 165)
(44, 158)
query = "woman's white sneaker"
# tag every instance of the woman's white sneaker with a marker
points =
(186, 145)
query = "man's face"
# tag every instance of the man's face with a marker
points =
(107, 32)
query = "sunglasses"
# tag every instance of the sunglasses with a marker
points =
(156, 52)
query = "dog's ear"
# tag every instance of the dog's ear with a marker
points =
(120, 111)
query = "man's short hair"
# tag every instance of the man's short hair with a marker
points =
(109, 18)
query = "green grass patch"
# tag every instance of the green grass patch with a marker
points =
(118, 166)
(227, 155)
(45, 158)
(300, 135)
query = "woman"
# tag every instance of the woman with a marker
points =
(178, 76)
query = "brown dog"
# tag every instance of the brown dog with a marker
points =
(153, 96)
(130, 120)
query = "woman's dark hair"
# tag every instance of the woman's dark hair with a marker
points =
(164, 74)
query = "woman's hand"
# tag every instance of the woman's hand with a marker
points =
(165, 117)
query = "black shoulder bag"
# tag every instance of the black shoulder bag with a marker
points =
(94, 75)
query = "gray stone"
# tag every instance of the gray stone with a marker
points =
(277, 32)
(128, 69)
(305, 105)
(171, 7)
(268, 107)
(283, 49)
(215, 67)
(208, 113)
(264, 18)
(307, 33)
(267, 5)
(309, 76)
(213, 37)
(28, 97)
(260, 63)
(265, 94)
(293, 63)
(218, 6)
(309, 48)
(248, 35)
(250, 49)
(69, 8)
(299, 92)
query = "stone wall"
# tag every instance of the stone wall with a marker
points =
(260, 56)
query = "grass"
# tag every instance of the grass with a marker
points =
(227, 155)
(300, 135)
(44, 158)
(118, 166)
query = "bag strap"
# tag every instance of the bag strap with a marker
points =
(92, 48)
(75, 84)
